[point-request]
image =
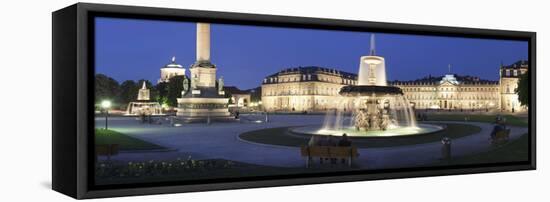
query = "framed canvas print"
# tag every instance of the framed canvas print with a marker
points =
(153, 100)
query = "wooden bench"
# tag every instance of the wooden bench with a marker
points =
(501, 137)
(106, 150)
(329, 152)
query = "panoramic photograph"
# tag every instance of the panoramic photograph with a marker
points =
(188, 101)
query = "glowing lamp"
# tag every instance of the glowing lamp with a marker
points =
(106, 104)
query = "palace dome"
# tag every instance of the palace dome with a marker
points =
(173, 64)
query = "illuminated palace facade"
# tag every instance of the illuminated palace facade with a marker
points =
(317, 88)
(304, 89)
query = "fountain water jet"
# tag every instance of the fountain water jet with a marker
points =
(378, 109)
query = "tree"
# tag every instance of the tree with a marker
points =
(128, 91)
(175, 86)
(106, 88)
(162, 93)
(523, 89)
(255, 94)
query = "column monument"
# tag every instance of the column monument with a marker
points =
(201, 97)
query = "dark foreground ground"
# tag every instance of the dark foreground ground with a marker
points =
(190, 170)
(515, 151)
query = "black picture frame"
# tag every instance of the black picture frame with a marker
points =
(73, 87)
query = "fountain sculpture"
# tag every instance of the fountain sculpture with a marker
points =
(371, 108)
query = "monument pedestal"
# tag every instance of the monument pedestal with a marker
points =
(200, 108)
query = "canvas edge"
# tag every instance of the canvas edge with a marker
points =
(83, 86)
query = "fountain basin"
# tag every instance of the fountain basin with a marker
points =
(420, 129)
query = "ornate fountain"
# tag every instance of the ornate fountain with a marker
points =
(371, 108)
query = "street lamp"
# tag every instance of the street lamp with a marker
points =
(105, 105)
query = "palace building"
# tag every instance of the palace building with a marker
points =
(451, 92)
(317, 89)
(509, 77)
(304, 89)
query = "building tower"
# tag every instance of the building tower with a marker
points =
(170, 70)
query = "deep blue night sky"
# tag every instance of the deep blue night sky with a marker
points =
(137, 49)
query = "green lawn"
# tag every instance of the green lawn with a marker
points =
(511, 120)
(125, 142)
(279, 136)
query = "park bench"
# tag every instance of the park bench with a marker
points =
(501, 137)
(329, 152)
(106, 150)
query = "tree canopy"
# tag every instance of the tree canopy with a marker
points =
(106, 88)
(523, 89)
(162, 93)
(175, 86)
(128, 91)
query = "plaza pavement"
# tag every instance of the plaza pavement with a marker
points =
(220, 140)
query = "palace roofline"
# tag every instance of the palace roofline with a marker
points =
(462, 79)
(237, 90)
(234, 90)
(516, 65)
(314, 69)
(465, 79)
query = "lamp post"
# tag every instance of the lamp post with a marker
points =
(106, 104)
